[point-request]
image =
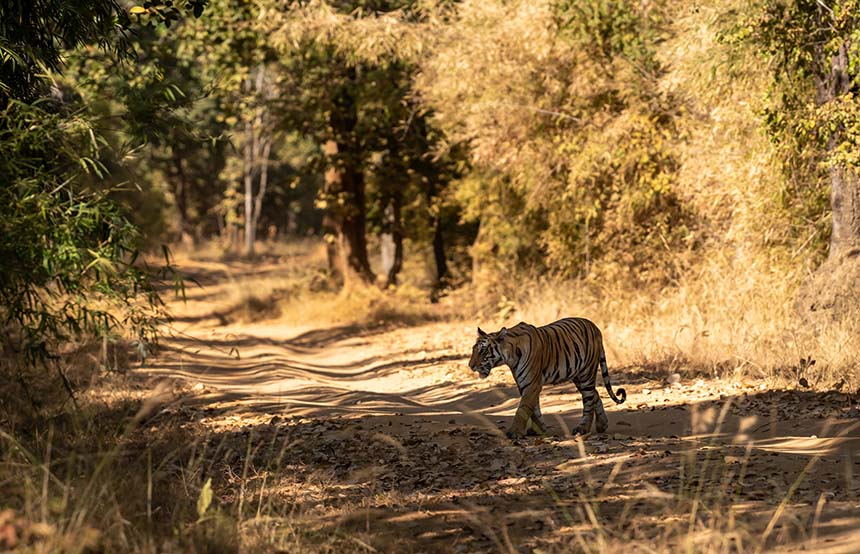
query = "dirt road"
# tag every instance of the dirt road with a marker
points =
(380, 437)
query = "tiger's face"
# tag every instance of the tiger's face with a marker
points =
(487, 353)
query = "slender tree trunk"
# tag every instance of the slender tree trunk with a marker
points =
(438, 239)
(439, 253)
(845, 202)
(250, 224)
(834, 288)
(256, 161)
(832, 82)
(264, 179)
(397, 237)
(844, 181)
(335, 262)
(180, 193)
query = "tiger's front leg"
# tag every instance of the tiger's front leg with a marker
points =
(536, 426)
(524, 417)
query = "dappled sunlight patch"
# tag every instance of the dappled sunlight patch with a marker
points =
(808, 446)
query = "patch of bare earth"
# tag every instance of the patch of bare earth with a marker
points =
(380, 439)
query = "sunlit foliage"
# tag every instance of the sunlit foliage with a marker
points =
(568, 123)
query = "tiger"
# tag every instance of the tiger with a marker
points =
(570, 349)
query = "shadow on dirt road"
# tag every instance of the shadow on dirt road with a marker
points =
(398, 444)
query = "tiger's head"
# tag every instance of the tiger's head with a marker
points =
(487, 352)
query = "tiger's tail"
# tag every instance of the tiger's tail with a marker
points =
(605, 370)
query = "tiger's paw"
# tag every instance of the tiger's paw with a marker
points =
(511, 434)
(536, 429)
(582, 430)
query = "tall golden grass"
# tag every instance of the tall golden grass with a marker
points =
(728, 324)
(727, 304)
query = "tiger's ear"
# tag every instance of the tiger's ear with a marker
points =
(502, 334)
(481, 333)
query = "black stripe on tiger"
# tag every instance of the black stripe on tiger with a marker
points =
(568, 350)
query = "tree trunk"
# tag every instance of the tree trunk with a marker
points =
(845, 203)
(250, 224)
(397, 237)
(180, 194)
(834, 288)
(256, 161)
(344, 188)
(264, 179)
(335, 262)
(438, 239)
(844, 181)
(439, 253)
(344, 184)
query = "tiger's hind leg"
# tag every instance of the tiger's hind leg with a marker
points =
(588, 397)
(602, 420)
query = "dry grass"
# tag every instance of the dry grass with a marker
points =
(727, 306)
(717, 322)
(289, 283)
(728, 315)
(137, 473)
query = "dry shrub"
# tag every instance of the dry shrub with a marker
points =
(725, 323)
(78, 486)
(293, 286)
(252, 308)
(365, 305)
(52, 386)
(217, 249)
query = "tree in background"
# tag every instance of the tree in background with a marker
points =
(563, 156)
(159, 98)
(233, 58)
(434, 166)
(213, 144)
(813, 115)
(346, 90)
(409, 168)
